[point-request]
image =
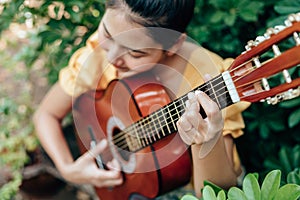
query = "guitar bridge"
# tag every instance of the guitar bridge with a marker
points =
(287, 95)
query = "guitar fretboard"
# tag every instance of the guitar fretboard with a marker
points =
(162, 122)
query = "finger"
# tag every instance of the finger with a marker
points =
(193, 116)
(191, 98)
(184, 123)
(186, 138)
(108, 182)
(92, 153)
(107, 174)
(210, 107)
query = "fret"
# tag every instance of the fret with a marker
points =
(150, 128)
(168, 119)
(172, 111)
(178, 112)
(129, 143)
(215, 98)
(145, 123)
(137, 136)
(166, 122)
(160, 122)
(154, 130)
(142, 133)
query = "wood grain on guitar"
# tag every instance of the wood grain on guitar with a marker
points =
(138, 118)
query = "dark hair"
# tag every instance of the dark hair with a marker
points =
(168, 14)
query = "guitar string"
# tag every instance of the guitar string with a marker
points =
(143, 123)
(123, 144)
(167, 106)
(152, 134)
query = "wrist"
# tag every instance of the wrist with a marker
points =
(203, 149)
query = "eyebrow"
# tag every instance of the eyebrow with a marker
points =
(134, 50)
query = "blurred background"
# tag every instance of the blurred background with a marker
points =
(38, 37)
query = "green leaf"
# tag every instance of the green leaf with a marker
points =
(296, 156)
(221, 195)
(208, 193)
(217, 16)
(284, 158)
(270, 185)
(216, 188)
(235, 193)
(189, 197)
(251, 187)
(249, 10)
(294, 118)
(264, 130)
(294, 176)
(287, 7)
(230, 19)
(288, 192)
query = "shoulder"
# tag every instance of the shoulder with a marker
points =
(196, 51)
(205, 58)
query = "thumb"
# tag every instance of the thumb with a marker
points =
(96, 149)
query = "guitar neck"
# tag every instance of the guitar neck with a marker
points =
(162, 122)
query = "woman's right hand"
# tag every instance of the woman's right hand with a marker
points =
(85, 169)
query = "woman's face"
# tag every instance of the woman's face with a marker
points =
(128, 46)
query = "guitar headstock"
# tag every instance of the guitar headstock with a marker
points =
(267, 59)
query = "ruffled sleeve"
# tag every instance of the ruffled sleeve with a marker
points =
(87, 69)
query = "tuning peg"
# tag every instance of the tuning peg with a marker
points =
(296, 38)
(290, 94)
(292, 18)
(269, 32)
(250, 44)
(276, 50)
(259, 39)
(265, 84)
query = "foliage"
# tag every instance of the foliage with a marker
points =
(58, 28)
(16, 130)
(16, 140)
(251, 189)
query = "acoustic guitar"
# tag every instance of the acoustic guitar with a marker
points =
(138, 118)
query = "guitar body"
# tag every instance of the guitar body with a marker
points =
(149, 172)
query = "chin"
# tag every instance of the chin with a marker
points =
(126, 74)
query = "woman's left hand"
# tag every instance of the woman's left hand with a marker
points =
(193, 129)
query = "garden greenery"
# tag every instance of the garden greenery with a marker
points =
(58, 28)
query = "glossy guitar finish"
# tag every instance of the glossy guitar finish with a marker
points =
(151, 171)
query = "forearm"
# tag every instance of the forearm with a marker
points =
(216, 167)
(50, 134)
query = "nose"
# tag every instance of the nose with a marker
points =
(115, 55)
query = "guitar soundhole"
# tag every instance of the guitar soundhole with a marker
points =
(119, 141)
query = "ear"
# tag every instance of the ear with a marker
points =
(173, 49)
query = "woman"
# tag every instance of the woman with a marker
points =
(136, 36)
